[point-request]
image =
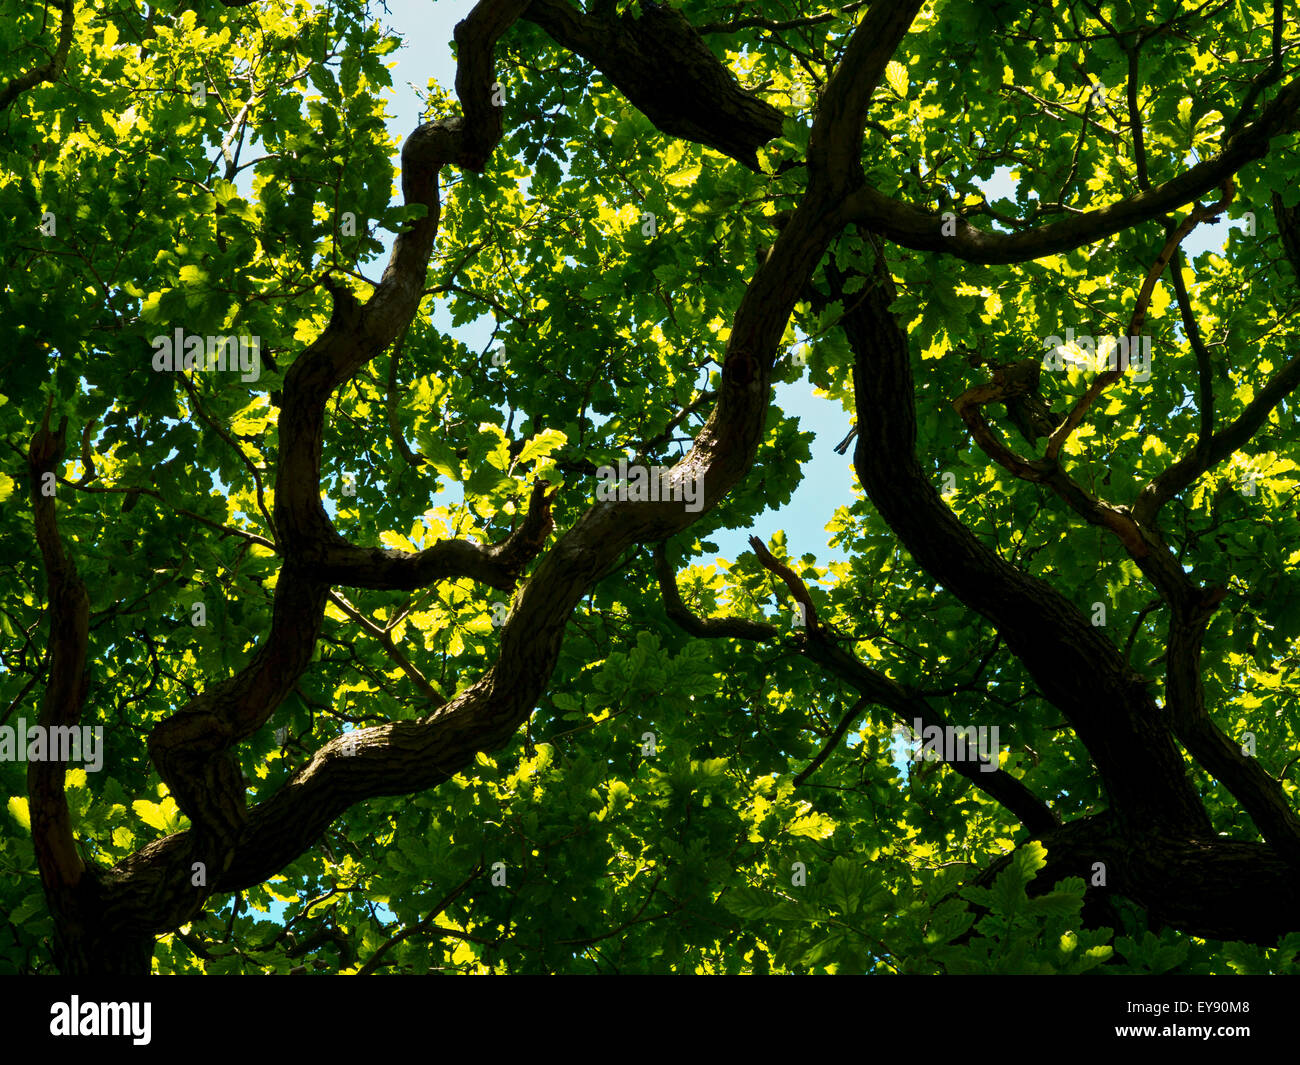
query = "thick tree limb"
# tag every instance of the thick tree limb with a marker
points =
(1074, 665)
(1043, 633)
(661, 64)
(1204, 885)
(192, 749)
(499, 566)
(47, 71)
(835, 142)
(70, 886)
(56, 853)
(1191, 606)
(920, 230)
(680, 614)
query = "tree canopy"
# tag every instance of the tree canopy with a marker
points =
(387, 652)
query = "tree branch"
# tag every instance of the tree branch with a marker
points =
(69, 609)
(49, 71)
(920, 230)
(1102, 380)
(873, 686)
(1075, 666)
(661, 64)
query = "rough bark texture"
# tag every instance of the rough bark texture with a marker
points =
(700, 101)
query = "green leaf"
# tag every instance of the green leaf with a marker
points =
(896, 75)
(151, 813)
(543, 444)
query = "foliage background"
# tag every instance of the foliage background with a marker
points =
(617, 860)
